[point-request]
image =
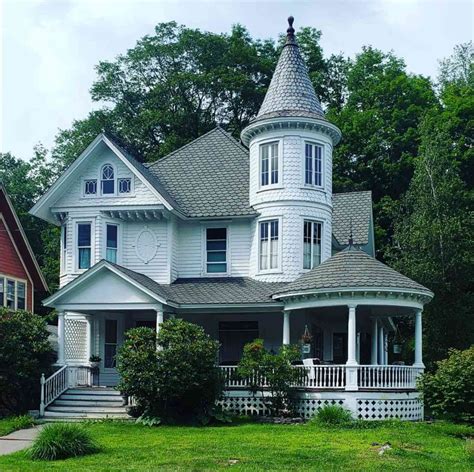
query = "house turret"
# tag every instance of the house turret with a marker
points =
(291, 144)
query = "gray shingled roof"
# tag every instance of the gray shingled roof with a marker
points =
(354, 208)
(291, 92)
(208, 177)
(209, 290)
(352, 268)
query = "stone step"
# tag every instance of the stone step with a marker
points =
(92, 398)
(86, 409)
(66, 416)
(87, 402)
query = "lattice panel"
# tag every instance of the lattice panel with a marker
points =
(244, 405)
(75, 334)
(405, 409)
(308, 407)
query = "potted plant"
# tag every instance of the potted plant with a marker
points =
(306, 341)
(397, 343)
(95, 361)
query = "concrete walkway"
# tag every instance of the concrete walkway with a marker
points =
(18, 440)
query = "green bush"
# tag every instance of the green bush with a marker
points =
(62, 440)
(270, 373)
(332, 415)
(449, 391)
(25, 353)
(179, 382)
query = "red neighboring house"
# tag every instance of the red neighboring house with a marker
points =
(20, 275)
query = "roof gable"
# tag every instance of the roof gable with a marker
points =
(21, 241)
(209, 177)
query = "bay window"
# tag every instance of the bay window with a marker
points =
(269, 245)
(216, 250)
(84, 247)
(311, 244)
(111, 242)
(269, 164)
(313, 174)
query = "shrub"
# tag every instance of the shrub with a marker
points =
(25, 353)
(270, 373)
(333, 415)
(449, 391)
(62, 440)
(179, 382)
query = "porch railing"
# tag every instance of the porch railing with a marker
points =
(53, 386)
(335, 377)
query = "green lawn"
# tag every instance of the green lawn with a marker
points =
(127, 446)
(12, 423)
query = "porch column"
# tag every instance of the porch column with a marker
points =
(88, 338)
(351, 336)
(61, 357)
(385, 348)
(375, 332)
(159, 320)
(380, 340)
(286, 327)
(351, 364)
(418, 340)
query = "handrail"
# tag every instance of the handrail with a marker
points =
(52, 387)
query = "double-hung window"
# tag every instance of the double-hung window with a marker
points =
(269, 164)
(84, 248)
(20, 295)
(12, 293)
(216, 250)
(311, 244)
(107, 181)
(269, 245)
(111, 242)
(313, 170)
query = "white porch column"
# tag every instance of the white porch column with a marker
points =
(380, 342)
(375, 332)
(61, 351)
(351, 336)
(286, 327)
(351, 364)
(418, 340)
(88, 338)
(385, 348)
(159, 320)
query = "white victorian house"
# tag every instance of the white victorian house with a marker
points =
(243, 238)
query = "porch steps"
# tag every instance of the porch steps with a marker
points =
(87, 403)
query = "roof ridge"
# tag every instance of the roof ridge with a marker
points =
(354, 191)
(184, 146)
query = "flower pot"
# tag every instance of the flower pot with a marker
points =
(306, 348)
(95, 365)
(397, 348)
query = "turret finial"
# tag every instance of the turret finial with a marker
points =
(351, 238)
(290, 32)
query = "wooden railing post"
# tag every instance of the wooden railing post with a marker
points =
(42, 381)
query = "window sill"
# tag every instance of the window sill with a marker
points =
(312, 187)
(269, 272)
(120, 195)
(270, 187)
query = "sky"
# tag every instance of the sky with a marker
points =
(48, 48)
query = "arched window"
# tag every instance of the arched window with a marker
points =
(107, 180)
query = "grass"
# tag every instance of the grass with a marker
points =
(14, 423)
(251, 447)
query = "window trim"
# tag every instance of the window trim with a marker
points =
(311, 220)
(77, 222)
(322, 145)
(63, 264)
(119, 239)
(204, 271)
(278, 269)
(17, 280)
(279, 184)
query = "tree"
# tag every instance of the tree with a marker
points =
(179, 380)
(25, 353)
(433, 240)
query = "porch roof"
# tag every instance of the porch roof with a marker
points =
(352, 269)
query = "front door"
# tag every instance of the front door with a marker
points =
(111, 339)
(339, 348)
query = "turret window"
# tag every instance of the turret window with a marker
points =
(311, 244)
(269, 174)
(269, 245)
(313, 174)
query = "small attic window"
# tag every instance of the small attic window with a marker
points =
(107, 180)
(90, 187)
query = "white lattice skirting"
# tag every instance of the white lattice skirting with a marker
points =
(75, 334)
(366, 406)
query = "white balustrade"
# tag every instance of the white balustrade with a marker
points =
(393, 377)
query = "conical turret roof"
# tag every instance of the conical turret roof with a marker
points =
(291, 92)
